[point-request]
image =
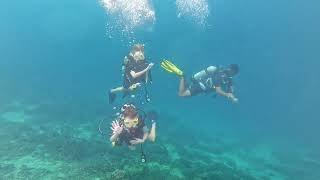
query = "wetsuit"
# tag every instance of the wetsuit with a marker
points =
(130, 134)
(207, 83)
(132, 65)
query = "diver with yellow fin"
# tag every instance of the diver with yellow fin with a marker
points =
(211, 79)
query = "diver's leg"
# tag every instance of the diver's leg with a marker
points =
(182, 85)
(183, 90)
(112, 93)
(116, 90)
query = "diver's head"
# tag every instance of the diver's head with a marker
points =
(138, 52)
(138, 56)
(232, 70)
(211, 69)
(137, 47)
(130, 116)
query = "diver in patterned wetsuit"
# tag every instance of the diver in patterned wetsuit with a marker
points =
(136, 72)
(211, 79)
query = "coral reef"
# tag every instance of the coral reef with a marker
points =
(41, 147)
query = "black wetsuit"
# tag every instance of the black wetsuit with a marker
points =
(218, 79)
(130, 134)
(132, 65)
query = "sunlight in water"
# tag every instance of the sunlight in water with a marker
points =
(128, 15)
(196, 11)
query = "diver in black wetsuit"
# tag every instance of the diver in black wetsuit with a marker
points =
(136, 73)
(211, 79)
(130, 128)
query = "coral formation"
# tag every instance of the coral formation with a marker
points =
(42, 147)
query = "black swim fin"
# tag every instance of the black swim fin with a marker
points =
(112, 97)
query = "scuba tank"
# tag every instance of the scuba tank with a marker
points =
(203, 77)
(198, 76)
(204, 73)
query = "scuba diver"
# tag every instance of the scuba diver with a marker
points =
(130, 128)
(211, 79)
(136, 73)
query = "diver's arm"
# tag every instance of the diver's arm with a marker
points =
(145, 136)
(139, 140)
(145, 133)
(152, 135)
(138, 74)
(114, 137)
(141, 73)
(221, 92)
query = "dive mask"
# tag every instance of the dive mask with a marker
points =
(130, 123)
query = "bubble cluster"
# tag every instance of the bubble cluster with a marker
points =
(128, 15)
(193, 10)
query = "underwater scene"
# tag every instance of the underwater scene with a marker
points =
(159, 90)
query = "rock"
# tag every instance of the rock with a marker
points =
(118, 175)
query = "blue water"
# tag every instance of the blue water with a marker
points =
(58, 54)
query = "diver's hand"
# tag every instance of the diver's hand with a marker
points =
(235, 100)
(116, 128)
(153, 122)
(150, 66)
(136, 141)
(232, 97)
(134, 86)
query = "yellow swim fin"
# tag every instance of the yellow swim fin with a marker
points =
(165, 67)
(171, 68)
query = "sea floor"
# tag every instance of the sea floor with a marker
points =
(42, 142)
